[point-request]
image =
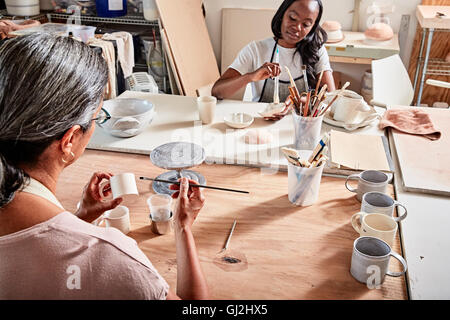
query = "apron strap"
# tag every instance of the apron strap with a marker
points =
(265, 81)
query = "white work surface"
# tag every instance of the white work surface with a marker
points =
(425, 240)
(177, 119)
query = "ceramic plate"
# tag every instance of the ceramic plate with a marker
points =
(327, 118)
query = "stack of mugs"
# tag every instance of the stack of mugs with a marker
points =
(377, 228)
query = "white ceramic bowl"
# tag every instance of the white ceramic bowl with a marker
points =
(129, 117)
(238, 120)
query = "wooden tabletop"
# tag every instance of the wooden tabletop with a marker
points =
(291, 252)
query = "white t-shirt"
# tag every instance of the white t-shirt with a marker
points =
(256, 53)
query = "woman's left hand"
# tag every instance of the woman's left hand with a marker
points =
(92, 205)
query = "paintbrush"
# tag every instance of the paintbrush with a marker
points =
(294, 99)
(318, 82)
(276, 97)
(193, 185)
(306, 108)
(335, 97)
(305, 78)
(318, 100)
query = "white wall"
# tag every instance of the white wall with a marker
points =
(333, 10)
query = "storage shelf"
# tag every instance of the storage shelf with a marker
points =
(437, 67)
(130, 20)
(40, 17)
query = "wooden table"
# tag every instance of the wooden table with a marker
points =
(292, 252)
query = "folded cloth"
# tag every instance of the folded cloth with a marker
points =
(110, 57)
(125, 50)
(413, 121)
(7, 26)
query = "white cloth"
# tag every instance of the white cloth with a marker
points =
(110, 56)
(256, 53)
(38, 189)
(125, 50)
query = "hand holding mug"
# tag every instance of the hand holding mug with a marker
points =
(92, 204)
(190, 202)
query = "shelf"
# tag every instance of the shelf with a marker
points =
(40, 17)
(129, 20)
(437, 67)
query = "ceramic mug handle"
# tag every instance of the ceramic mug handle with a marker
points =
(101, 189)
(353, 176)
(403, 216)
(402, 261)
(355, 225)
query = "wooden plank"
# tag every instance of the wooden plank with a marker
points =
(173, 72)
(292, 252)
(189, 40)
(351, 60)
(439, 49)
(424, 163)
(239, 28)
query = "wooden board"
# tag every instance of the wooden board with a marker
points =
(292, 252)
(174, 79)
(189, 41)
(439, 49)
(239, 28)
(426, 15)
(424, 164)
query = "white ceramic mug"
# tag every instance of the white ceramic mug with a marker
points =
(376, 225)
(206, 108)
(349, 108)
(377, 202)
(370, 261)
(123, 184)
(369, 180)
(118, 218)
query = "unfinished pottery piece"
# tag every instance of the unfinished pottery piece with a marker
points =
(272, 109)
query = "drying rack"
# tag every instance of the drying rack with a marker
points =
(430, 24)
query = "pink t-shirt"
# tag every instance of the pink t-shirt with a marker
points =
(68, 258)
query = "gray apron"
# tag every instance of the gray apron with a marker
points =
(269, 86)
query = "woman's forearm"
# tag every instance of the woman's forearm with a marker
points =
(191, 283)
(225, 88)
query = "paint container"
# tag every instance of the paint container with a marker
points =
(307, 131)
(111, 8)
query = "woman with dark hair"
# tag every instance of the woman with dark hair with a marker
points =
(299, 40)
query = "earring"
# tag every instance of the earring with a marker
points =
(73, 157)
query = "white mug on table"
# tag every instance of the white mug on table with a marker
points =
(206, 108)
(369, 180)
(118, 218)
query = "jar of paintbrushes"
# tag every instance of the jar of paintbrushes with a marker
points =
(307, 112)
(305, 169)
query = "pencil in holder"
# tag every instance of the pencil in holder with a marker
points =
(304, 184)
(307, 131)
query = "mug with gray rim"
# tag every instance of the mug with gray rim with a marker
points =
(377, 202)
(369, 180)
(370, 261)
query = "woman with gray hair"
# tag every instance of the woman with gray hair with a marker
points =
(50, 98)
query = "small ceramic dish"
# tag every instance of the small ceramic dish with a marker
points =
(238, 120)
(272, 109)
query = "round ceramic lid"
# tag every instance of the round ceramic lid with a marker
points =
(178, 155)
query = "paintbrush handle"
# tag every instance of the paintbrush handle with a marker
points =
(229, 236)
(193, 185)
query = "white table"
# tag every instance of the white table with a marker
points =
(425, 240)
(177, 119)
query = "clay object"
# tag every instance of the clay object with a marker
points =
(379, 32)
(260, 136)
(334, 31)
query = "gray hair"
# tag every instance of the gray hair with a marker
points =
(48, 84)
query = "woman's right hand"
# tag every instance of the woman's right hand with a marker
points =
(190, 202)
(267, 70)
